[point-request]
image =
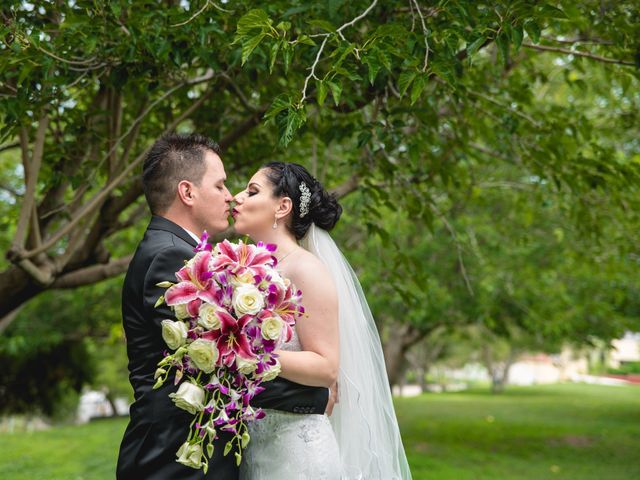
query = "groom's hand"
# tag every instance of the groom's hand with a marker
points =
(333, 398)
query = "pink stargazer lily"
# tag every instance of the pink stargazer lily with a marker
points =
(244, 258)
(231, 337)
(287, 306)
(195, 282)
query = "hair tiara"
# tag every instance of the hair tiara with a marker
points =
(305, 199)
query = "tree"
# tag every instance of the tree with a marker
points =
(68, 340)
(382, 97)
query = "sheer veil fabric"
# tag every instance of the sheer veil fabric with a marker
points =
(364, 420)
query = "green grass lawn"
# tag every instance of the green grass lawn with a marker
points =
(552, 432)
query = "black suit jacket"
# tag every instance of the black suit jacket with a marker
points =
(156, 427)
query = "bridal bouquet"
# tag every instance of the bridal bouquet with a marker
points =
(233, 311)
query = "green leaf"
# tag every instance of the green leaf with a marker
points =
(249, 46)
(405, 80)
(289, 122)
(516, 36)
(372, 61)
(418, 86)
(284, 26)
(342, 53)
(363, 138)
(306, 40)
(384, 59)
(550, 11)
(287, 55)
(533, 30)
(475, 45)
(322, 24)
(115, 8)
(273, 55)
(253, 19)
(354, 77)
(280, 103)
(393, 30)
(322, 92)
(336, 91)
(24, 72)
(503, 47)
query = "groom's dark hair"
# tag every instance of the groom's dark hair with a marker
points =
(172, 159)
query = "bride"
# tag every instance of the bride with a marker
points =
(335, 340)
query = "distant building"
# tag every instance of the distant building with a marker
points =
(626, 349)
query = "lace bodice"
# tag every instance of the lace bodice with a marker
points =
(291, 446)
(293, 345)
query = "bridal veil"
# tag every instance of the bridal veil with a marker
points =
(363, 420)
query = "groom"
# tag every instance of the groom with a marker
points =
(183, 180)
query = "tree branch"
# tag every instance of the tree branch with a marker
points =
(529, 118)
(251, 122)
(9, 146)
(312, 74)
(8, 318)
(92, 274)
(32, 170)
(131, 140)
(42, 276)
(347, 187)
(425, 32)
(578, 53)
(102, 195)
(236, 90)
(206, 4)
(114, 128)
(204, 78)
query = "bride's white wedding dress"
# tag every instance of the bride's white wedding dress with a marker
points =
(361, 439)
(292, 446)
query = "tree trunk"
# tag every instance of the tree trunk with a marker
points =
(112, 401)
(499, 372)
(17, 288)
(396, 347)
(422, 379)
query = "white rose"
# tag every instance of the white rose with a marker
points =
(180, 311)
(190, 455)
(208, 318)
(271, 328)
(245, 367)
(174, 333)
(247, 299)
(203, 354)
(189, 397)
(270, 374)
(279, 281)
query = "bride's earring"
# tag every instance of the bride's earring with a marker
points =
(275, 223)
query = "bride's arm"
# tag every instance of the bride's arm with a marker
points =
(317, 364)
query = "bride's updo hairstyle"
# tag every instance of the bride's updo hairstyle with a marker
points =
(323, 209)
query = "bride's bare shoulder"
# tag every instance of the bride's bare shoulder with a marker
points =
(307, 268)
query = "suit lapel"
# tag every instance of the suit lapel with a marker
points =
(161, 223)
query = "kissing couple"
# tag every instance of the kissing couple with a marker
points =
(329, 413)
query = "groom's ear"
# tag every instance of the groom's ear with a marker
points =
(285, 205)
(185, 192)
